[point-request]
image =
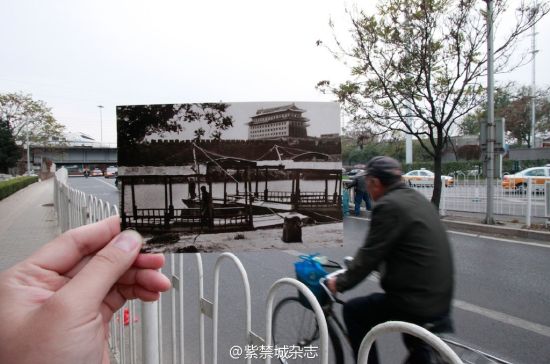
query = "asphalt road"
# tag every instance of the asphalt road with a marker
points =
(502, 298)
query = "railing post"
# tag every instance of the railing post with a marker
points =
(442, 210)
(201, 314)
(398, 326)
(529, 201)
(247, 299)
(150, 333)
(547, 203)
(175, 287)
(182, 326)
(319, 315)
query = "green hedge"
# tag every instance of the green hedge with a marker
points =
(15, 184)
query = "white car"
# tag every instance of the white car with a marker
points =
(423, 177)
(354, 172)
(111, 171)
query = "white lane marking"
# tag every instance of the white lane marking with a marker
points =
(504, 318)
(293, 252)
(107, 183)
(358, 218)
(541, 245)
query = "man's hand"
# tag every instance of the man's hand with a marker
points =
(55, 306)
(331, 285)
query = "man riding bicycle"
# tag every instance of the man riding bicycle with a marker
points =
(408, 245)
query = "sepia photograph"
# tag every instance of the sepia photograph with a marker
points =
(247, 176)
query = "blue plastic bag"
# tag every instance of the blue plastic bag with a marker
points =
(309, 271)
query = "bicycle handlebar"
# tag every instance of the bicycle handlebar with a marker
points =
(322, 282)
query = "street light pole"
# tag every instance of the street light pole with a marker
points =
(489, 219)
(101, 122)
(533, 95)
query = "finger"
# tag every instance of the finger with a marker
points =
(149, 261)
(118, 296)
(90, 286)
(147, 278)
(106, 359)
(145, 295)
(145, 261)
(138, 292)
(64, 252)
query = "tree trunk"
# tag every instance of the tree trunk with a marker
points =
(436, 196)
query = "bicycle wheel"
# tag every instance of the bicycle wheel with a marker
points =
(295, 327)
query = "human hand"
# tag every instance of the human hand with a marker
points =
(56, 305)
(331, 285)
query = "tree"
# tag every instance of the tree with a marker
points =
(471, 124)
(137, 122)
(517, 113)
(513, 103)
(25, 115)
(417, 66)
(9, 151)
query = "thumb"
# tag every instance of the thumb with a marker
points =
(92, 284)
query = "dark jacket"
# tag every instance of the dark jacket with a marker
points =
(359, 183)
(408, 244)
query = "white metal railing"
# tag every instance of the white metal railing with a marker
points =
(404, 327)
(470, 195)
(74, 208)
(153, 321)
(143, 324)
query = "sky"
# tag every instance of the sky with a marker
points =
(322, 118)
(77, 55)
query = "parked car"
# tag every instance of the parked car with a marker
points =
(111, 171)
(96, 172)
(518, 181)
(423, 177)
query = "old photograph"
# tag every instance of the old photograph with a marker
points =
(207, 177)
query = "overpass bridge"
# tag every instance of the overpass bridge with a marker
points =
(75, 158)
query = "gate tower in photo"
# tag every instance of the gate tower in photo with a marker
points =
(278, 122)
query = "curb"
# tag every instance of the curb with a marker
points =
(498, 230)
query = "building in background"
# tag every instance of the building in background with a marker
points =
(278, 122)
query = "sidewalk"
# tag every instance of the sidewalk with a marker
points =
(27, 221)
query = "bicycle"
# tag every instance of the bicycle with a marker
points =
(295, 325)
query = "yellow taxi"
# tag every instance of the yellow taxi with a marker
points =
(518, 181)
(423, 177)
(96, 172)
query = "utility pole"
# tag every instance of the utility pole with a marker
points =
(533, 94)
(489, 219)
(101, 122)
